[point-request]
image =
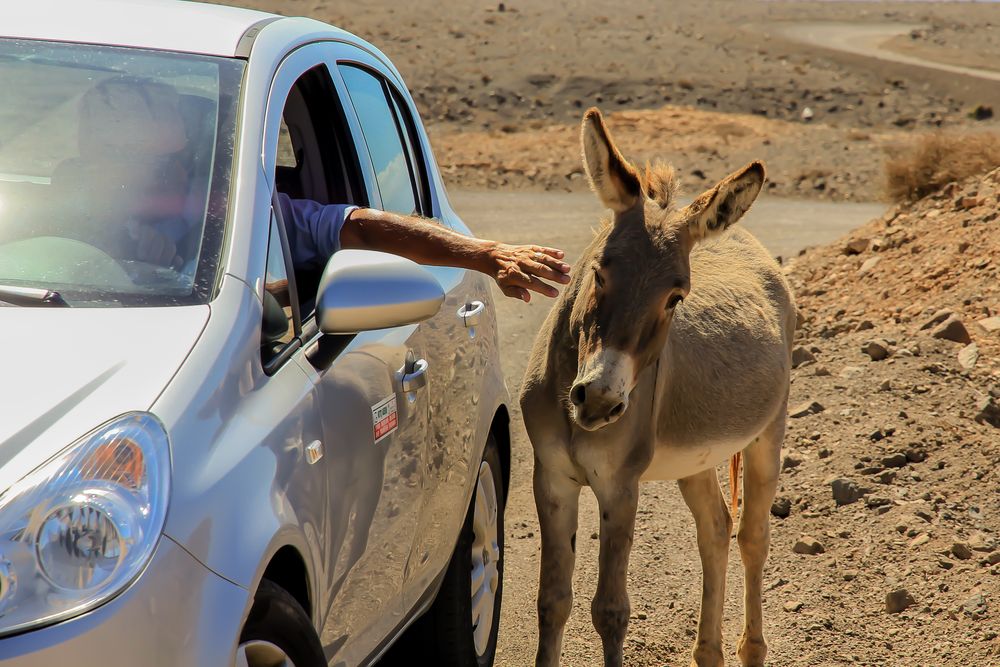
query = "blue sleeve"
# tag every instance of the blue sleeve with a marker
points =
(313, 229)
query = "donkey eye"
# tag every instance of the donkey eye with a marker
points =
(674, 300)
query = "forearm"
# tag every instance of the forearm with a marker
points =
(421, 240)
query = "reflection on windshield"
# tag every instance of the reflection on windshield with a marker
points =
(114, 170)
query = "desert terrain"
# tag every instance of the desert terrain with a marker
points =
(886, 531)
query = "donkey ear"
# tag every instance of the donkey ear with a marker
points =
(714, 211)
(615, 181)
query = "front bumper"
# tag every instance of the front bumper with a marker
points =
(176, 613)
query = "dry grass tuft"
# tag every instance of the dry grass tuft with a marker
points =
(938, 159)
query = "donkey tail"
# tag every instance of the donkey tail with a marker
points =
(734, 482)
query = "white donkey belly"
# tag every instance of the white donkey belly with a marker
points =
(677, 462)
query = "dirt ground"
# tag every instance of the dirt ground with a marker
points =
(909, 442)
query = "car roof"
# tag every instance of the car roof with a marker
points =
(170, 25)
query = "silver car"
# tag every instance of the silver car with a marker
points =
(209, 456)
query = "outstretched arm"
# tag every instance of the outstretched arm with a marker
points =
(516, 268)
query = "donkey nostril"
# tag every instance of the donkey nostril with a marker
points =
(617, 410)
(578, 394)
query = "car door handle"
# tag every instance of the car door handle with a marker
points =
(416, 378)
(471, 313)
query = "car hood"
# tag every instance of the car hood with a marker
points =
(65, 371)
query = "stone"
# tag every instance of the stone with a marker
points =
(790, 461)
(855, 246)
(937, 318)
(990, 324)
(850, 575)
(864, 325)
(801, 356)
(920, 540)
(808, 546)
(993, 558)
(849, 372)
(914, 455)
(793, 606)
(975, 607)
(988, 412)
(781, 507)
(805, 409)
(821, 371)
(846, 491)
(877, 349)
(897, 460)
(885, 385)
(898, 600)
(961, 551)
(952, 329)
(968, 356)
(868, 266)
(887, 476)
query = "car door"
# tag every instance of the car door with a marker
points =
(372, 432)
(454, 346)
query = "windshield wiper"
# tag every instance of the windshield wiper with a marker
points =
(30, 296)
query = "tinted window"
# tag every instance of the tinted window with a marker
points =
(385, 143)
(114, 171)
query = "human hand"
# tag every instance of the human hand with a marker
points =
(152, 246)
(520, 268)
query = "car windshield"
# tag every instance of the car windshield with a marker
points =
(114, 171)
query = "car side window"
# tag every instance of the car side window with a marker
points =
(316, 161)
(278, 327)
(385, 138)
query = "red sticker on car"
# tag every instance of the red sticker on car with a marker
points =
(385, 419)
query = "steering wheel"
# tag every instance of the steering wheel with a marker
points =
(54, 260)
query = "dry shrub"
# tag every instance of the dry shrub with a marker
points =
(938, 159)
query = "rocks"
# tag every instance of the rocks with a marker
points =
(968, 356)
(990, 324)
(805, 409)
(792, 606)
(801, 356)
(790, 461)
(988, 412)
(961, 551)
(897, 460)
(808, 546)
(937, 318)
(898, 600)
(877, 349)
(781, 507)
(952, 329)
(868, 266)
(975, 607)
(846, 491)
(855, 246)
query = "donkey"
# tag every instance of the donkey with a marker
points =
(667, 354)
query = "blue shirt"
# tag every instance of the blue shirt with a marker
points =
(313, 229)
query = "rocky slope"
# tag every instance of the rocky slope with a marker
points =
(888, 500)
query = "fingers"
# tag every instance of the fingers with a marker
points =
(516, 293)
(532, 267)
(551, 257)
(533, 283)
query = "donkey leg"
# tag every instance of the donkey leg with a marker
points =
(714, 526)
(761, 462)
(610, 608)
(556, 499)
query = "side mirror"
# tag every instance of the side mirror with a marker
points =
(362, 290)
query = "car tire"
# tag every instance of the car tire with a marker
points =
(446, 635)
(278, 632)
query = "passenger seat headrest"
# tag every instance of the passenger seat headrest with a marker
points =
(131, 118)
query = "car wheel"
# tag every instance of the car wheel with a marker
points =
(461, 627)
(278, 632)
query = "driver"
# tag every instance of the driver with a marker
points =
(136, 128)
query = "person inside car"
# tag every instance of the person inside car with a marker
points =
(134, 126)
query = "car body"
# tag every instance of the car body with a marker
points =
(273, 467)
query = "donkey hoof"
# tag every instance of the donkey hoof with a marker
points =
(752, 652)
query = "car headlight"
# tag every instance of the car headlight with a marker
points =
(80, 527)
